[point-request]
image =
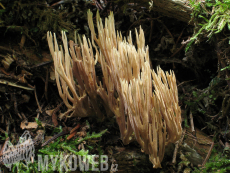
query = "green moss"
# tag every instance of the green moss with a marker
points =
(216, 163)
(210, 17)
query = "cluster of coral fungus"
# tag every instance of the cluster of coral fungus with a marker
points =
(144, 102)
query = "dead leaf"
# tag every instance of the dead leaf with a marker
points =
(30, 125)
(50, 112)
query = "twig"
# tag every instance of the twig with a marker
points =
(10, 76)
(178, 50)
(214, 116)
(186, 41)
(178, 143)
(8, 125)
(23, 40)
(191, 122)
(25, 119)
(184, 82)
(41, 64)
(2, 81)
(208, 155)
(151, 30)
(167, 30)
(38, 114)
(4, 71)
(141, 20)
(35, 93)
(221, 143)
(9, 50)
(15, 103)
(2, 119)
(98, 5)
(46, 83)
(191, 135)
(19, 116)
(180, 36)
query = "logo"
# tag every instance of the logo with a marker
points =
(73, 162)
(24, 150)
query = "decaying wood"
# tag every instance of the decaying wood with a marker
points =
(178, 9)
(200, 143)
